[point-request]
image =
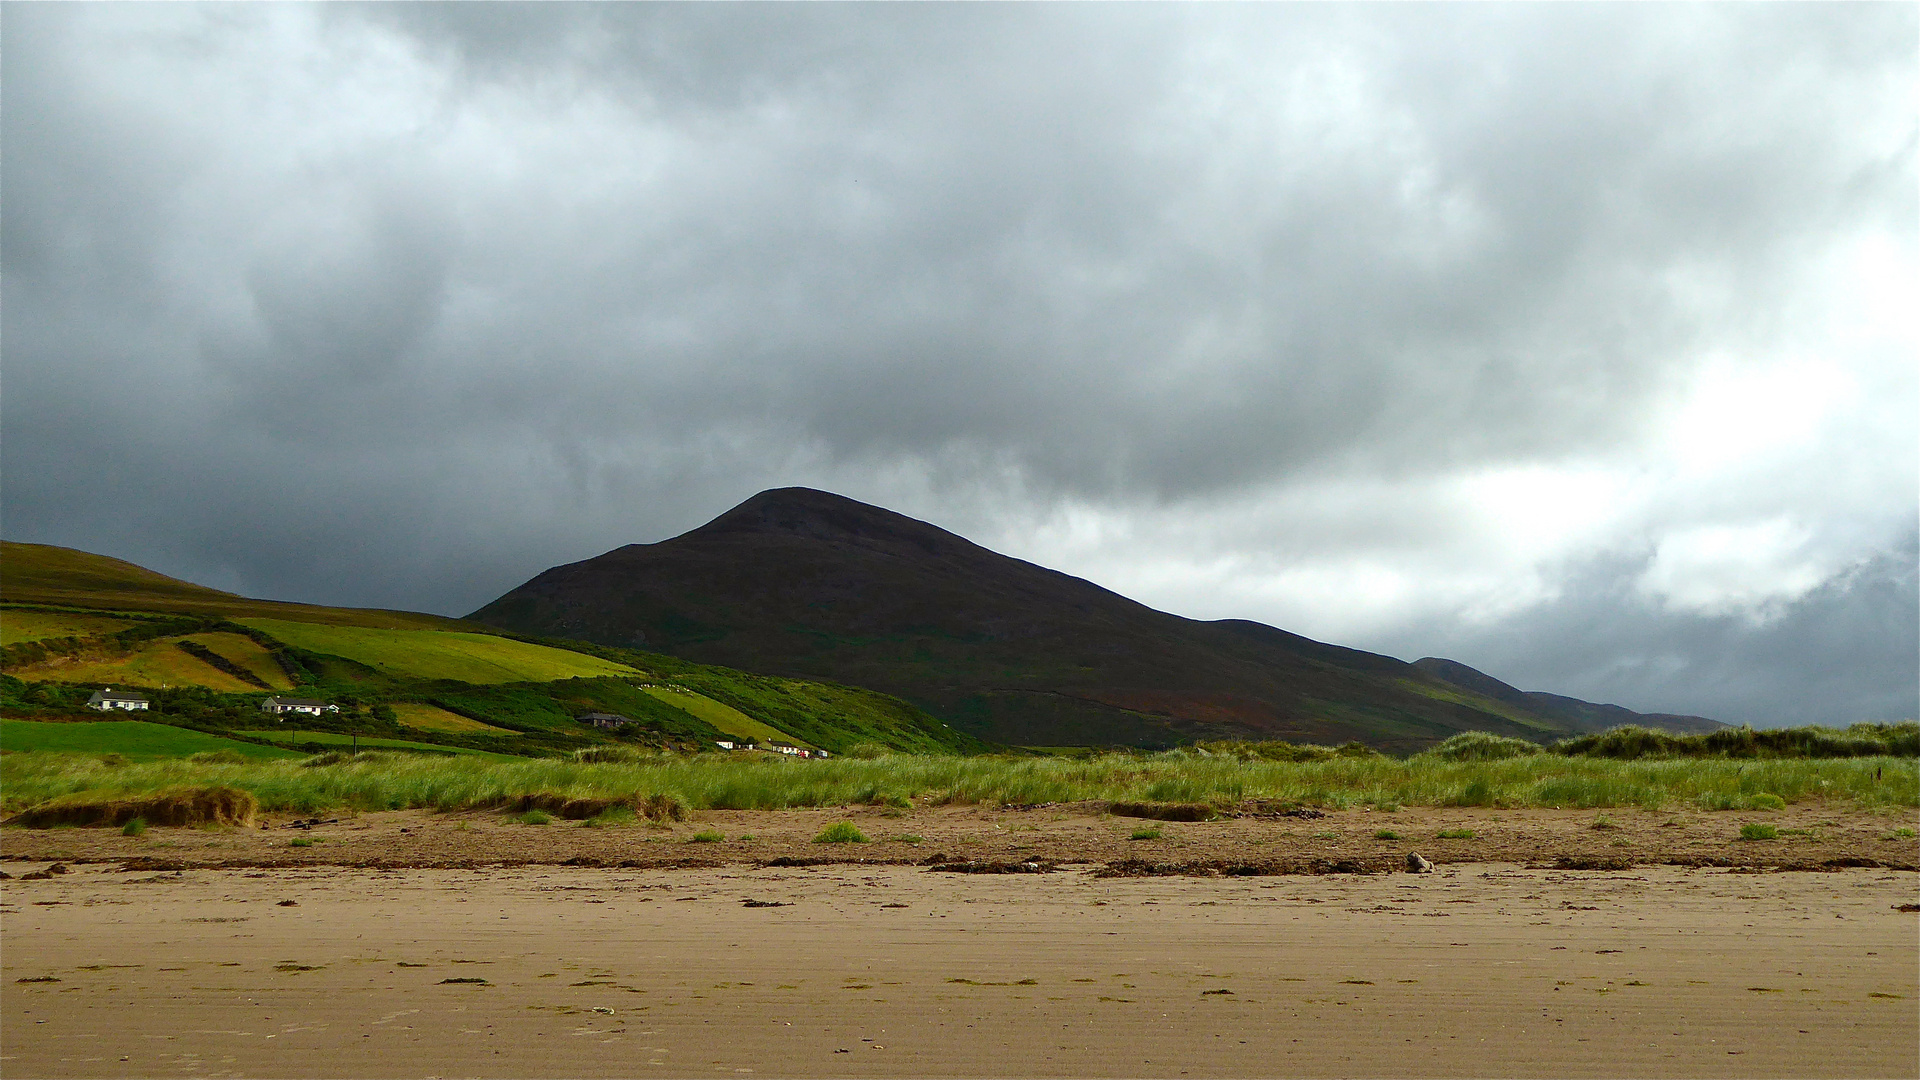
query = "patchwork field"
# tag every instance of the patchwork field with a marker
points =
(434, 718)
(725, 717)
(136, 740)
(431, 654)
(17, 626)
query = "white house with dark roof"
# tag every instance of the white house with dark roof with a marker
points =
(110, 699)
(308, 706)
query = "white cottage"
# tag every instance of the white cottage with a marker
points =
(110, 699)
(308, 706)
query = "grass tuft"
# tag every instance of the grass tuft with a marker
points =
(841, 832)
(136, 827)
(706, 836)
(612, 817)
(1759, 832)
(1386, 834)
(1480, 746)
(535, 817)
(1149, 833)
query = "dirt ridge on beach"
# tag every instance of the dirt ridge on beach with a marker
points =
(1808, 837)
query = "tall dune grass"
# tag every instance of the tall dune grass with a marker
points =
(713, 781)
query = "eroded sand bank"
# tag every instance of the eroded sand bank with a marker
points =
(1479, 970)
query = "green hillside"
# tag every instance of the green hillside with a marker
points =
(307, 739)
(75, 622)
(725, 718)
(439, 654)
(21, 625)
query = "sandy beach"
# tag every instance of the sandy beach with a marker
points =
(1483, 968)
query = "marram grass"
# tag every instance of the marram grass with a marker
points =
(714, 781)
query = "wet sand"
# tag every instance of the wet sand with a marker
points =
(1481, 969)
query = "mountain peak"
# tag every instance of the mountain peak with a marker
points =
(822, 515)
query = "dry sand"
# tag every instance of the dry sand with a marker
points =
(1481, 969)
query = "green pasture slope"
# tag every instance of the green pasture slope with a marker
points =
(17, 626)
(135, 740)
(480, 659)
(724, 718)
(811, 713)
(302, 736)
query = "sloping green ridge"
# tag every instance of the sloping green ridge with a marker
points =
(439, 654)
(136, 740)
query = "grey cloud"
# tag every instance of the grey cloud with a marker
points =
(399, 304)
(1842, 653)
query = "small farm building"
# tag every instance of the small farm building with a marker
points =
(110, 699)
(604, 719)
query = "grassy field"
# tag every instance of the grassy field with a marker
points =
(480, 659)
(434, 718)
(301, 736)
(724, 718)
(725, 781)
(135, 740)
(247, 654)
(152, 664)
(17, 626)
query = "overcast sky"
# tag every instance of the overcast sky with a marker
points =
(1574, 343)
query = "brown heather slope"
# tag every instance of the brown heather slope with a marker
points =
(1584, 715)
(808, 584)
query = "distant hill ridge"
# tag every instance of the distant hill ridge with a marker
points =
(810, 584)
(65, 577)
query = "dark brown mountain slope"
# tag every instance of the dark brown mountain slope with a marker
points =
(804, 583)
(1584, 715)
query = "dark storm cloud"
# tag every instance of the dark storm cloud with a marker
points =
(399, 304)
